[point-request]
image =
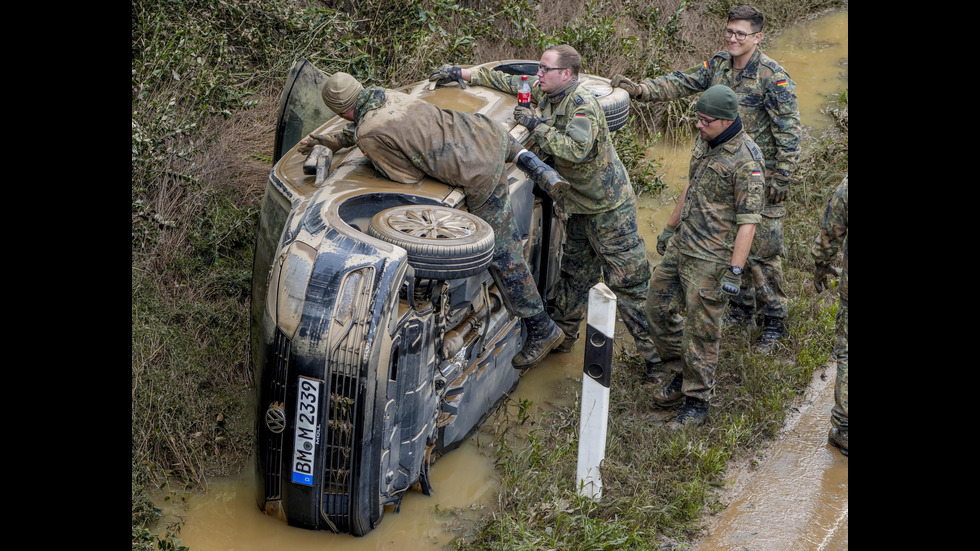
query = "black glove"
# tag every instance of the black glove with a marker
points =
(446, 74)
(820, 273)
(778, 188)
(730, 283)
(664, 237)
(632, 88)
(525, 116)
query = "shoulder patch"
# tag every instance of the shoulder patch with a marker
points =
(578, 99)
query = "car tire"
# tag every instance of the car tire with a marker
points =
(441, 242)
(615, 102)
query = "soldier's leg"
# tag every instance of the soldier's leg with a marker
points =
(666, 327)
(838, 414)
(509, 266)
(767, 272)
(510, 270)
(580, 270)
(626, 271)
(705, 309)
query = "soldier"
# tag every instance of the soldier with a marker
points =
(833, 230)
(407, 139)
(770, 115)
(715, 219)
(601, 232)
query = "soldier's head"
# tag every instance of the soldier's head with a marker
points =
(716, 109)
(558, 65)
(744, 30)
(340, 92)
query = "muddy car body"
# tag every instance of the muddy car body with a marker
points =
(376, 350)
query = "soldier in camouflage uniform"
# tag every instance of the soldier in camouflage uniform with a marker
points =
(407, 139)
(602, 240)
(715, 220)
(770, 114)
(833, 230)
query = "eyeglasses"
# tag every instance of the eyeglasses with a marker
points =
(543, 69)
(739, 35)
(706, 122)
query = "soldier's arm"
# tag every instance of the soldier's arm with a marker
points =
(678, 84)
(498, 80)
(784, 113)
(833, 227)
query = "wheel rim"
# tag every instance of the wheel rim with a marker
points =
(431, 224)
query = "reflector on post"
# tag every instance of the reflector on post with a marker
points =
(601, 325)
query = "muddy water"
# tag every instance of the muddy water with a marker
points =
(796, 499)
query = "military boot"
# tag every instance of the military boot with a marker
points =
(694, 412)
(838, 437)
(542, 336)
(772, 330)
(670, 395)
(546, 177)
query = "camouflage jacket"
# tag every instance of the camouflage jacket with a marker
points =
(724, 190)
(833, 230)
(577, 138)
(766, 101)
(406, 139)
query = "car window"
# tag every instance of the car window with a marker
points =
(301, 110)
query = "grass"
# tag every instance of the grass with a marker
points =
(205, 80)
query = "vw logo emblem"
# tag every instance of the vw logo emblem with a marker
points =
(275, 418)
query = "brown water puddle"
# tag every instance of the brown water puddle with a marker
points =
(796, 499)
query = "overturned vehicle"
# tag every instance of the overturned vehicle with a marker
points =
(379, 338)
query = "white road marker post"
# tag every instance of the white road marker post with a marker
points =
(597, 368)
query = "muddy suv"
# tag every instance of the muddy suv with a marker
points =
(379, 339)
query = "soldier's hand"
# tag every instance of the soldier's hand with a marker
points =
(526, 116)
(330, 140)
(632, 88)
(664, 237)
(446, 74)
(778, 188)
(820, 273)
(730, 283)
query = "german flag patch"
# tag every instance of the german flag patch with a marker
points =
(705, 64)
(756, 173)
(781, 82)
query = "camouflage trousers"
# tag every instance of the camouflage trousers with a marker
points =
(605, 247)
(838, 415)
(693, 286)
(509, 267)
(763, 290)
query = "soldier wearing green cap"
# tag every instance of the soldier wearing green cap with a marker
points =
(602, 239)
(715, 216)
(771, 115)
(407, 139)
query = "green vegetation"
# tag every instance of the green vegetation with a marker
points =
(205, 83)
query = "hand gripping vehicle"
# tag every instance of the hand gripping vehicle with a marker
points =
(379, 339)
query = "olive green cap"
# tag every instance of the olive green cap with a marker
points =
(720, 102)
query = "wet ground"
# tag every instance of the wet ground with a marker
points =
(796, 497)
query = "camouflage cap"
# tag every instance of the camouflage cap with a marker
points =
(718, 101)
(340, 91)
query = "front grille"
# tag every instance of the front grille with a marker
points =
(347, 341)
(277, 387)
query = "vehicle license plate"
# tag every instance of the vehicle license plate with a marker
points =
(307, 430)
